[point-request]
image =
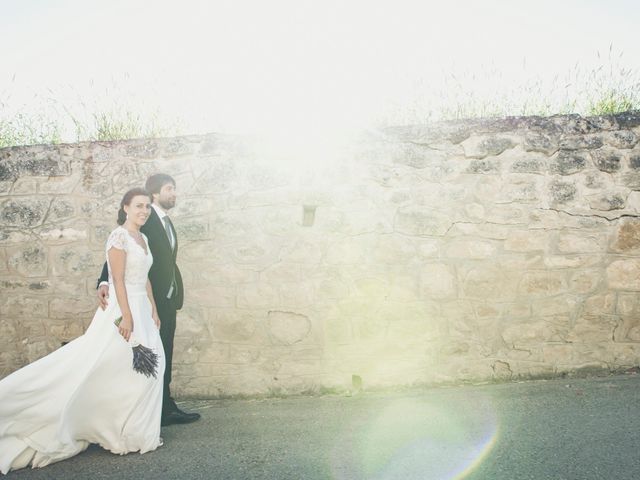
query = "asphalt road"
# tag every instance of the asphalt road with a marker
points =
(560, 429)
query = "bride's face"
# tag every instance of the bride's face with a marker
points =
(138, 210)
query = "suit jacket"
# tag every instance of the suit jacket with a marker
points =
(164, 268)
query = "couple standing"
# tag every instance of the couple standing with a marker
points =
(110, 385)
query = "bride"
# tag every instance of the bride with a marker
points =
(104, 387)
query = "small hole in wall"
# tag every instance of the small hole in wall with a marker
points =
(308, 215)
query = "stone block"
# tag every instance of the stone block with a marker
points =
(600, 304)
(627, 330)
(23, 212)
(536, 284)
(29, 261)
(568, 162)
(624, 274)
(469, 249)
(34, 161)
(580, 243)
(585, 281)
(607, 201)
(490, 282)
(234, 326)
(22, 307)
(562, 191)
(607, 159)
(536, 333)
(438, 281)
(287, 328)
(538, 142)
(419, 221)
(529, 165)
(559, 305)
(526, 241)
(579, 142)
(214, 295)
(627, 237)
(593, 329)
(73, 308)
(483, 146)
(73, 259)
(623, 139)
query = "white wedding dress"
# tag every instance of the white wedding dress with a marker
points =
(87, 391)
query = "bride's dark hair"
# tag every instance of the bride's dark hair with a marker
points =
(126, 200)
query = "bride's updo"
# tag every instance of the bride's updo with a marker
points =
(126, 200)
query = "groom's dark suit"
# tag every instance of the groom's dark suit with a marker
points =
(163, 274)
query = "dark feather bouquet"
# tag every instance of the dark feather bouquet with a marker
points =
(145, 360)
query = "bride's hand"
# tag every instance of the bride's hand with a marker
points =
(125, 328)
(156, 319)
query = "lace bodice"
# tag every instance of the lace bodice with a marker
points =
(138, 262)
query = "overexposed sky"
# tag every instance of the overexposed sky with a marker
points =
(242, 66)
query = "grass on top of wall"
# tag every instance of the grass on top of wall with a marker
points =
(609, 88)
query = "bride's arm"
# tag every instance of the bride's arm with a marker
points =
(117, 260)
(154, 312)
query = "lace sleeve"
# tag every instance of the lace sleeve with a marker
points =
(117, 239)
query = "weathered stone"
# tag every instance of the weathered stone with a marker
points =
(542, 284)
(417, 156)
(551, 329)
(622, 139)
(70, 260)
(33, 161)
(615, 200)
(23, 213)
(585, 281)
(469, 249)
(25, 308)
(481, 146)
(627, 236)
(526, 241)
(438, 281)
(483, 166)
(489, 282)
(593, 329)
(70, 308)
(631, 180)
(624, 274)
(600, 304)
(536, 142)
(528, 165)
(413, 220)
(287, 328)
(577, 243)
(579, 142)
(29, 261)
(607, 159)
(562, 192)
(141, 149)
(568, 162)
(417, 254)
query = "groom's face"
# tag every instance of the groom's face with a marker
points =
(167, 196)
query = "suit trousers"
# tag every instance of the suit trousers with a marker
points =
(167, 313)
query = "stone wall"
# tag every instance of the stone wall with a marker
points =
(472, 250)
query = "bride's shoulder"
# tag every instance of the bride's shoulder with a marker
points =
(117, 238)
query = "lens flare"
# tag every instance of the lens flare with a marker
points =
(427, 437)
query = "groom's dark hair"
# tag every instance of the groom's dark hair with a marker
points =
(155, 182)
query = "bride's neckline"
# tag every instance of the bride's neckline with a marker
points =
(143, 246)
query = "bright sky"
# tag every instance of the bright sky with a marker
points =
(244, 66)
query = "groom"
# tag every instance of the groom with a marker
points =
(166, 281)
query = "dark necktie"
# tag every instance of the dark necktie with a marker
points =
(167, 227)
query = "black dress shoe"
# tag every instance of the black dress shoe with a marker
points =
(178, 416)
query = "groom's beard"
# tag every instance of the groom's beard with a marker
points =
(167, 204)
